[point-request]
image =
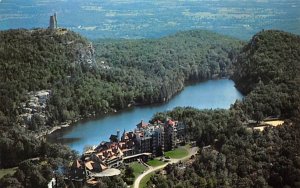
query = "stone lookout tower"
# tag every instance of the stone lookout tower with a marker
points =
(53, 22)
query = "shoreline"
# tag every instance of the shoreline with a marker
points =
(60, 126)
(53, 129)
(69, 123)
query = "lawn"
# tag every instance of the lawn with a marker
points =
(11, 171)
(138, 168)
(177, 153)
(144, 181)
(155, 162)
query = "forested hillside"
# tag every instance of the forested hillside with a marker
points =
(120, 73)
(268, 70)
(83, 82)
(234, 156)
(153, 70)
(124, 72)
(270, 57)
(32, 60)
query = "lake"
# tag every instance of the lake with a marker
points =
(209, 94)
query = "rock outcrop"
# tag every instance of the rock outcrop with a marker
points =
(85, 54)
(34, 110)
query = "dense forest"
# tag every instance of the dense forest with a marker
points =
(153, 70)
(32, 60)
(85, 81)
(115, 74)
(268, 70)
(237, 157)
(120, 72)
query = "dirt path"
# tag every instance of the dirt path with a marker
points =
(192, 151)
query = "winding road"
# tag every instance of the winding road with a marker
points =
(192, 151)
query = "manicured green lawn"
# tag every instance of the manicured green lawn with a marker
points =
(177, 153)
(3, 172)
(144, 181)
(155, 162)
(138, 168)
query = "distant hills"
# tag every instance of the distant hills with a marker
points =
(153, 19)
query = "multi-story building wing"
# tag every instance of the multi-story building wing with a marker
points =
(158, 140)
(181, 132)
(170, 135)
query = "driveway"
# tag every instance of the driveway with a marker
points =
(192, 151)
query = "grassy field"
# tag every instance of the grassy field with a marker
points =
(144, 181)
(177, 153)
(3, 172)
(138, 168)
(155, 162)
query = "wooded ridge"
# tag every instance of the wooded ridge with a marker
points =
(109, 75)
(233, 154)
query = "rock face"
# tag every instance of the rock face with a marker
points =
(34, 110)
(85, 54)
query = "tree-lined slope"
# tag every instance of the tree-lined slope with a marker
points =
(82, 84)
(117, 74)
(268, 70)
(271, 56)
(153, 70)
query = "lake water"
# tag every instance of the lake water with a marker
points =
(210, 94)
(149, 18)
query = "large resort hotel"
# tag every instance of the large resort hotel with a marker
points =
(147, 140)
